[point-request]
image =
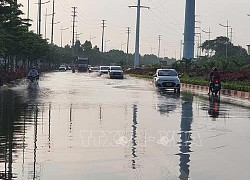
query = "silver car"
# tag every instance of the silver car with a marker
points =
(167, 79)
(115, 72)
(103, 70)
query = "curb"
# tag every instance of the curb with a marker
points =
(231, 93)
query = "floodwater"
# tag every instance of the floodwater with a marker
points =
(81, 126)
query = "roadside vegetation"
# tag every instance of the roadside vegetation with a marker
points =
(234, 69)
(21, 48)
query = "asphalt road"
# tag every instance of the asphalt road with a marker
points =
(82, 126)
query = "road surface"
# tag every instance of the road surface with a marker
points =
(81, 126)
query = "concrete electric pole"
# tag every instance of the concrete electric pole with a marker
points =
(159, 47)
(189, 31)
(103, 28)
(137, 41)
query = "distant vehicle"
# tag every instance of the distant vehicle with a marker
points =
(103, 70)
(82, 64)
(62, 68)
(115, 72)
(93, 69)
(167, 79)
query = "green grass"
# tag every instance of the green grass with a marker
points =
(239, 86)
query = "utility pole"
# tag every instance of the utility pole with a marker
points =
(209, 37)
(39, 18)
(103, 27)
(128, 31)
(159, 47)
(137, 42)
(73, 27)
(231, 35)
(28, 13)
(45, 24)
(52, 26)
(226, 26)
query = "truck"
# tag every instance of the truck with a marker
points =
(82, 64)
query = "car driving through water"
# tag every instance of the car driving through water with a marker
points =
(115, 72)
(167, 79)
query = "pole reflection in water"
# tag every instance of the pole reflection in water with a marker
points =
(49, 125)
(100, 115)
(35, 143)
(70, 124)
(185, 136)
(134, 136)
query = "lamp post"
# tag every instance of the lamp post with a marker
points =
(62, 29)
(226, 26)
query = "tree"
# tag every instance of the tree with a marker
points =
(219, 46)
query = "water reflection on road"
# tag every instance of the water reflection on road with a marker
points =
(81, 126)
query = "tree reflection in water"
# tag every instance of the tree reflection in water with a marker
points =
(16, 111)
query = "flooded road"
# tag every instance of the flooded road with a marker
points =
(81, 126)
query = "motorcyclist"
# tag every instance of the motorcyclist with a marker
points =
(214, 75)
(33, 74)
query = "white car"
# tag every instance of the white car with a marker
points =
(62, 68)
(115, 72)
(103, 70)
(167, 79)
(93, 69)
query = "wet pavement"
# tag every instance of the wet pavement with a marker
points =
(81, 126)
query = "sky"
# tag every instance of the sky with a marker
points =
(165, 18)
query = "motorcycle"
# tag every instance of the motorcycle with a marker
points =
(215, 87)
(33, 81)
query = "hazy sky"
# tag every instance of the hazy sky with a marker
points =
(165, 18)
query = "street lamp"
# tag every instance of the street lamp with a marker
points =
(62, 29)
(226, 26)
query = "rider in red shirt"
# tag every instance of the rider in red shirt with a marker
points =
(214, 75)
